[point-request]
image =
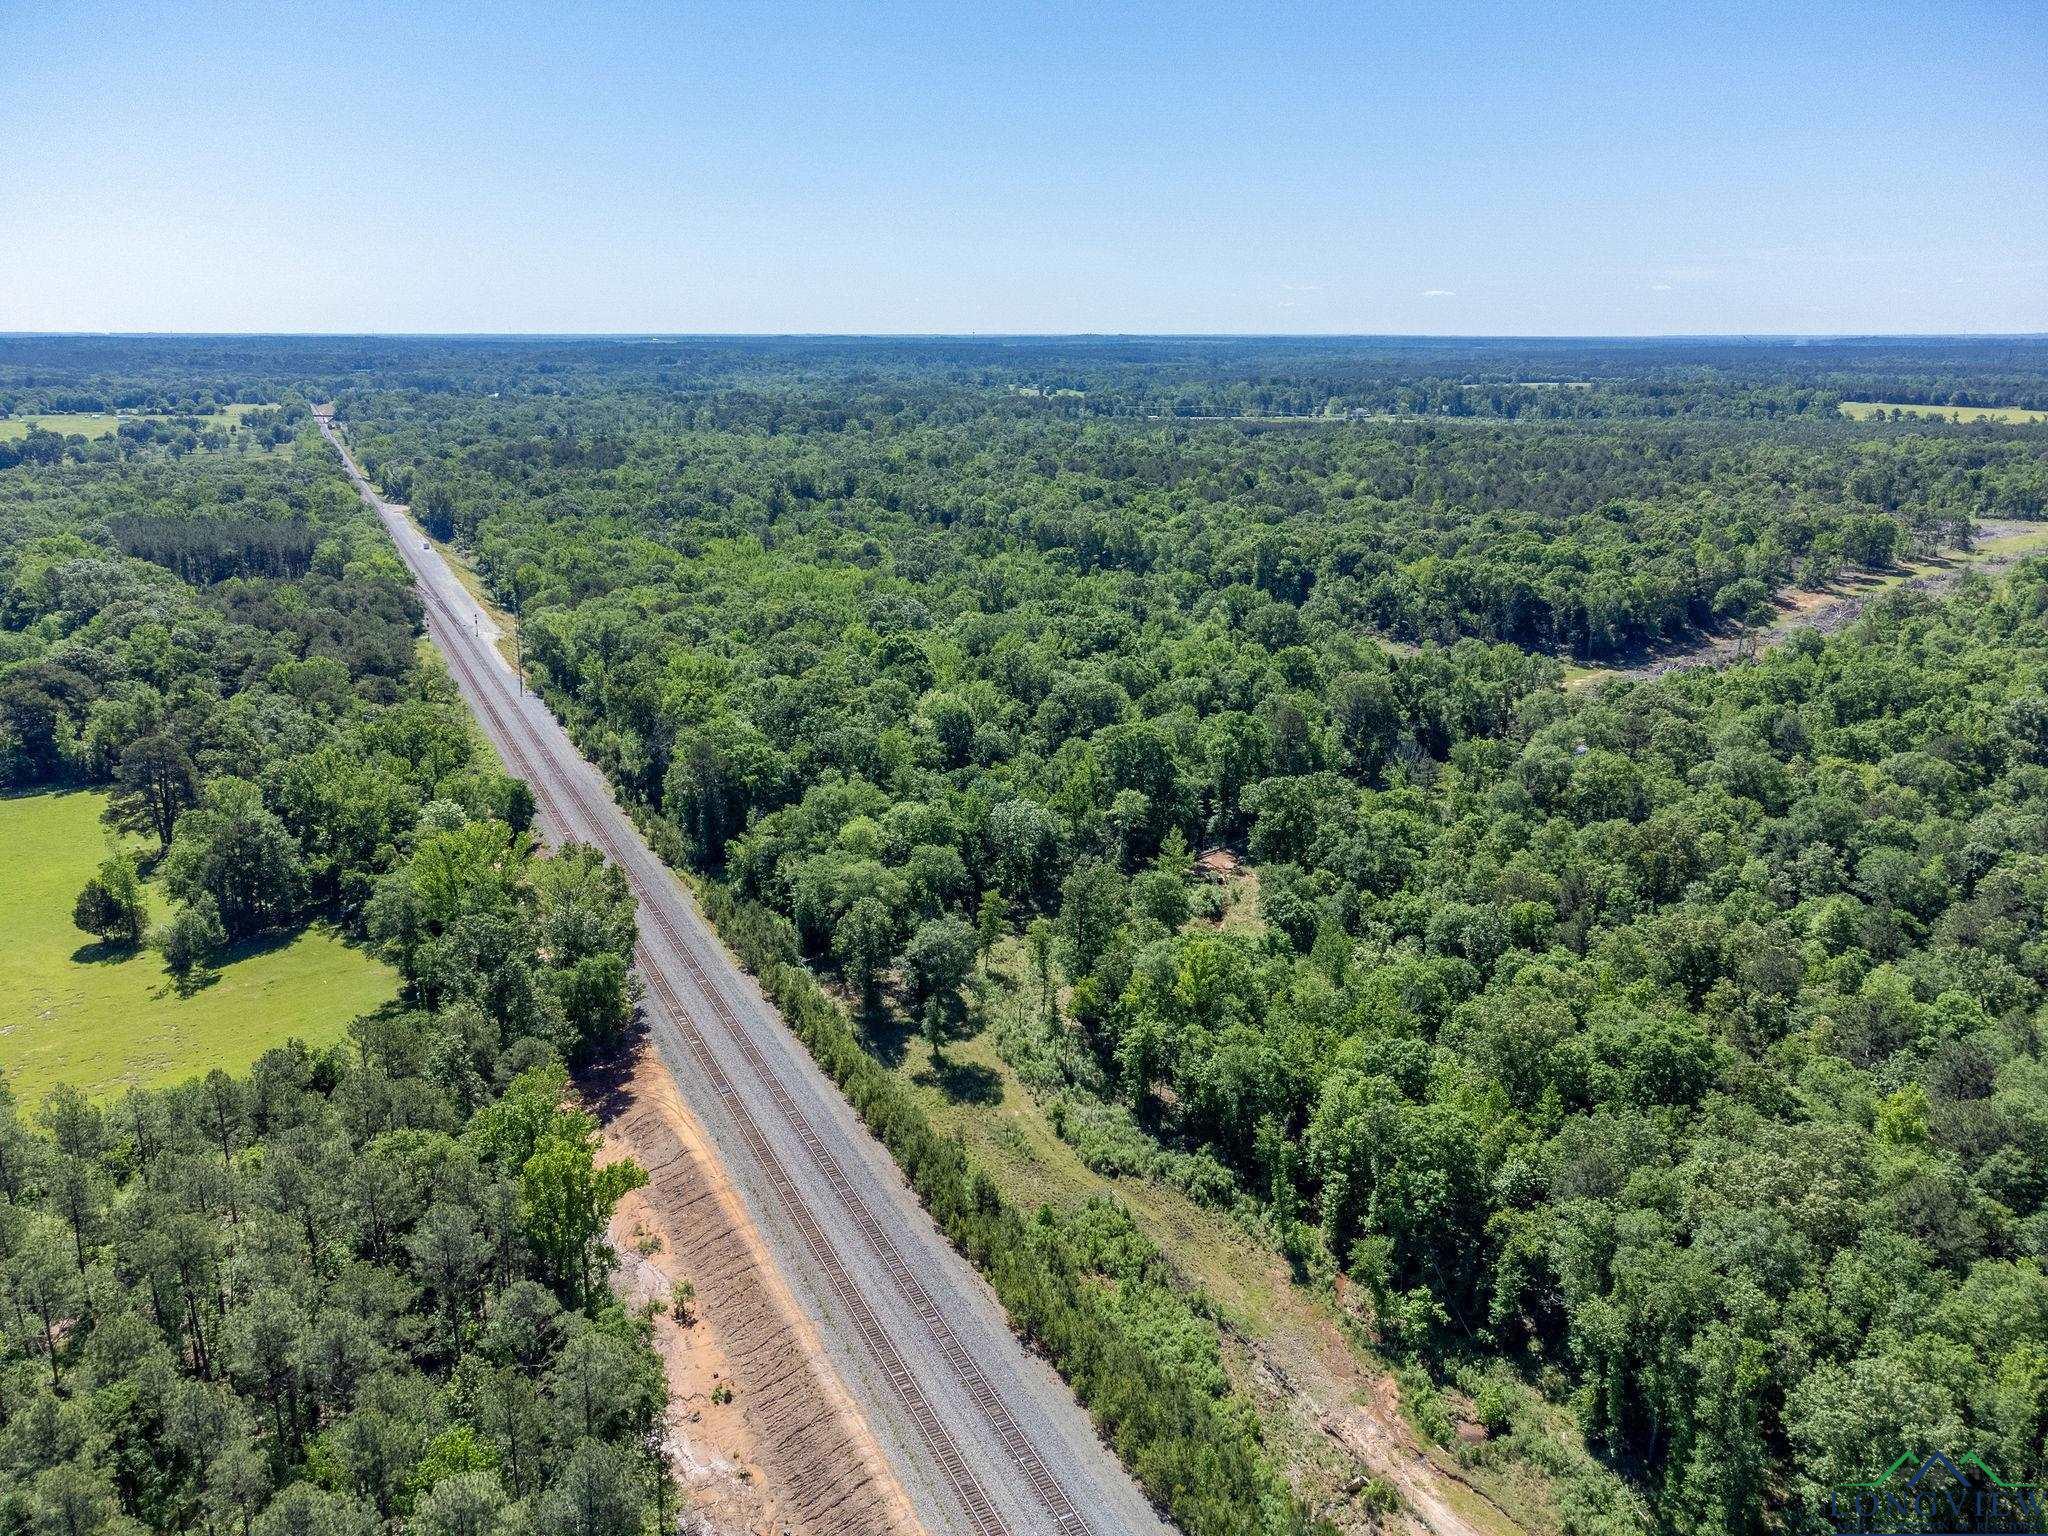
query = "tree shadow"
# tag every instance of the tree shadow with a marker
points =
(106, 952)
(210, 970)
(191, 983)
(887, 1033)
(605, 1082)
(965, 1082)
(255, 945)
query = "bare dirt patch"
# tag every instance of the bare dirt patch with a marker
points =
(2000, 543)
(763, 1436)
(1343, 1417)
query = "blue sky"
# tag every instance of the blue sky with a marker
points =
(1481, 167)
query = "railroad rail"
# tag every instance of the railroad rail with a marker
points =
(565, 804)
(967, 1488)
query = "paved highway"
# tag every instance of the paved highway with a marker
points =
(984, 1436)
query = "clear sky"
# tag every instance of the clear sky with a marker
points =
(1458, 166)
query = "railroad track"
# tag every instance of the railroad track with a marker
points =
(570, 808)
(972, 1496)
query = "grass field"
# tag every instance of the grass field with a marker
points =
(91, 424)
(64, 423)
(2012, 415)
(71, 1011)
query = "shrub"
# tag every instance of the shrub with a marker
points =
(191, 937)
(111, 906)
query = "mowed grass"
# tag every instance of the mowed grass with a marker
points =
(63, 423)
(2012, 546)
(91, 424)
(2011, 415)
(73, 1011)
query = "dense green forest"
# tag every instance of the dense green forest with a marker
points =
(1670, 1049)
(869, 378)
(1584, 540)
(1673, 1044)
(361, 1288)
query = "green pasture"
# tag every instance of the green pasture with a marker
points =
(2011, 415)
(91, 424)
(74, 1010)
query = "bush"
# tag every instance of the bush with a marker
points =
(1494, 1407)
(111, 906)
(191, 937)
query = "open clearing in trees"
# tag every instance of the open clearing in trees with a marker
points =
(96, 424)
(1864, 410)
(74, 1010)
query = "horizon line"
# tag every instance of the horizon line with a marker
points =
(994, 335)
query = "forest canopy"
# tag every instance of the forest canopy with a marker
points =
(1675, 1044)
(362, 1288)
(1671, 1048)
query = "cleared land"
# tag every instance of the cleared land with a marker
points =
(781, 1448)
(73, 1010)
(93, 424)
(64, 423)
(2001, 542)
(1863, 410)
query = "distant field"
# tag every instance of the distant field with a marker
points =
(69, 1013)
(64, 423)
(91, 424)
(1863, 410)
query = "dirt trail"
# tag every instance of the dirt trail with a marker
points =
(1330, 1413)
(2000, 543)
(764, 1439)
(1305, 1369)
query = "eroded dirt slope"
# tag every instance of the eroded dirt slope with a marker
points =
(764, 1439)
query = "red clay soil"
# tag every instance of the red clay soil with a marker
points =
(762, 1435)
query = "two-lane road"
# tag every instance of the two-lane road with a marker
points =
(983, 1436)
